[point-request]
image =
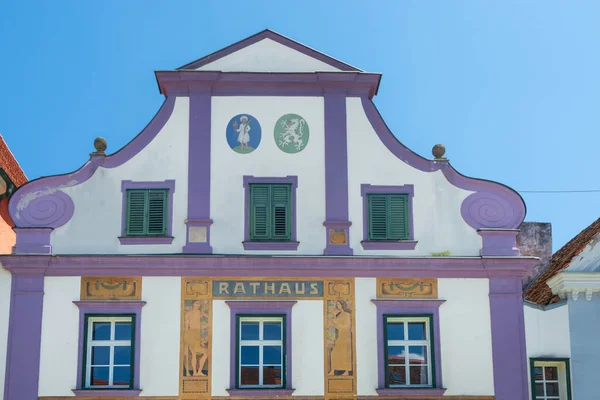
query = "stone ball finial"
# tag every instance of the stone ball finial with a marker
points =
(438, 151)
(100, 145)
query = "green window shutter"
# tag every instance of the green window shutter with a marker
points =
(398, 217)
(146, 212)
(136, 205)
(281, 211)
(388, 217)
(259, 212)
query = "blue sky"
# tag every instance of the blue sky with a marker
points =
(510, 87)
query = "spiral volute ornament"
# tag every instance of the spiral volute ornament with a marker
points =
(485, 210)
(49, 211)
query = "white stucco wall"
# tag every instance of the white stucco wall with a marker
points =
(365, 289)
(96, 223)
(227, 195)
(547, 332)
(267, 56)
(438, 223)
(466, 337)
(60, 336)
(5, 285)
(159, 358)
(221, 337)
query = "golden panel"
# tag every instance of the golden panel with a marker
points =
(196, 339)
(340, 338)
(338, 236)
(414, 288)
(111, 288)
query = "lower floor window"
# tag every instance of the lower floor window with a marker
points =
(109, 351)
(408, 351)
(550, 379)
(261, 354)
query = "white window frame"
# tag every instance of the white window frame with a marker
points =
(111, 343)
(562, 380)
(261, 343)
(406, 343)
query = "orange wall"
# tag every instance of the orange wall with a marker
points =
(7, 235)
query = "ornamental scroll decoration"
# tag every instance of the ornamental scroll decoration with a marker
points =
(49, 209)
(418, 288)
(111, 288)
(484, 210)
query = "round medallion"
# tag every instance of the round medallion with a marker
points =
(243, 133)
(291, 133)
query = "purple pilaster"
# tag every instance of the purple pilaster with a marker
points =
(336, 175)
(198, 221)
(24, 335)
(508, 338)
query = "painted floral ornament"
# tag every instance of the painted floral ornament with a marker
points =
(291, 133)
(243, 133)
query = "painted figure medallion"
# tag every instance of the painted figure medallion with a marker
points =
(243, 133)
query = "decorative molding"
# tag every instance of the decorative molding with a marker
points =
(111, 288)
(425, 288)
(575, 283)
(499, 242)
(103, 393)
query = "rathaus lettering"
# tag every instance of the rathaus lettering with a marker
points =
(267, 288)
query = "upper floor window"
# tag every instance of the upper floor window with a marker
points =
(108, 352)
(270, 210)
(146, 212)
(388, 216)
(550, 379)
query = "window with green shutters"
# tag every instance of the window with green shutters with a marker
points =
(270, 212)
(388, 217)
(146, 212)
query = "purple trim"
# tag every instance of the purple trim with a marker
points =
(367, 244)
(336, 171)
(33, 241)
(39, 203)
(198, 212)
(499, 242)
(168, 184)
(189, 83)
(410, 392)
(509, 353)
(299, 266)
(111, 308)
(287, 245)
(260, 308)
(493, 206)
(24, 335)
(260, 392)
(106, 393)
(407, 308)
(269, 34)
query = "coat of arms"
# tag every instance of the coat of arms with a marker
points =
(291, 133)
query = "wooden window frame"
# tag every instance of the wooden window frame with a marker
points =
(564, 375)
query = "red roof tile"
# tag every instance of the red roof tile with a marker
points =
(11, 166)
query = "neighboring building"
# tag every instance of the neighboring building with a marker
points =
(562, 318)
(266, 235)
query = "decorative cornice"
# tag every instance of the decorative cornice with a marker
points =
(189, 83)
(41, 203)
(576, 284)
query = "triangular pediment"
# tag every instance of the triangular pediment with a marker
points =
(268, 51)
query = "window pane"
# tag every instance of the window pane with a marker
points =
(397, 375)
(396, 355)
(99, 376)
(101, 331)
(100, 355)
(249, 376)
(272, 376)
(416, 331)
(539, 389)
(538, 373)
(551, 373)
(250, 355)
(122, 330)
(551, 388)
(272, 331)
(122, 355)
(271, 355)
(249, 330)
(395, 331)
(417, 355)
(121, 376)
(418, 376)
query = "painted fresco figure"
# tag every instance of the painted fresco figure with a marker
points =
(243, 131)
(194, 345)
(341, 353)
